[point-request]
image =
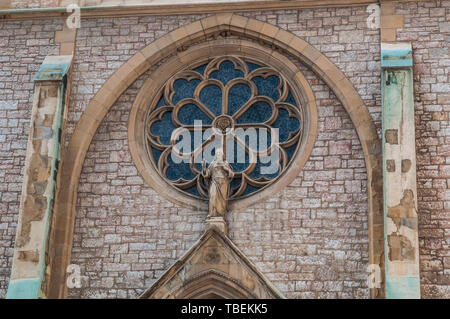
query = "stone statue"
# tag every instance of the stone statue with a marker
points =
(218, 176)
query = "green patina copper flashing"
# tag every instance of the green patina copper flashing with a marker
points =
(54, 68)
(396, 55)
(26, 288)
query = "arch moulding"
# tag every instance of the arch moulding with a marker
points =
(279, 40)
(201, 52)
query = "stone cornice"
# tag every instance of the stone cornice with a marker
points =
(176, 9)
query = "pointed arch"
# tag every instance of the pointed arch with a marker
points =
(73, 158)
(229, 275)
(212, 285)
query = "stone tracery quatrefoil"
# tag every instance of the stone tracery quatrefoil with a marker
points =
(226, 92)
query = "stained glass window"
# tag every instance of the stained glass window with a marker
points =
(242, 106)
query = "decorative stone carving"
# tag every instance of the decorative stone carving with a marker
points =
(213, 268)
(228, 94)
(218, 176)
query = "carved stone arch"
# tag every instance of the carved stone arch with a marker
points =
(73, 158)
(213, 285)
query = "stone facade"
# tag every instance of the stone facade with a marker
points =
(311, 239)
(331, 192)
(24, 45)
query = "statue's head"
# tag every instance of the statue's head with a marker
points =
(219, 155)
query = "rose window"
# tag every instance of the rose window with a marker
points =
(240, 105)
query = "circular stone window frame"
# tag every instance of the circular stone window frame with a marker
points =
(196, 54)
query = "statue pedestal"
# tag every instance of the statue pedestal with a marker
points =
(218, 222)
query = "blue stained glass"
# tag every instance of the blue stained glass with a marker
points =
(257, 172)
(163, 128)
(156, 155)
(264, 139)
(238, 95)
(193, 142)
(250, 189)
(268, 87)
(235, 184)
(193, 190)
(258, 112)
(184, 89)
(200, 69)
(196, 139)
(252, 66)
(239, 160)
(178, 170)
(190, 112)
(285, 124)
(211, 96)
(161, 102)
(290, 99)
(226, 72)
(209, 151)
(267, 165)
(198, 166)
(291, 151)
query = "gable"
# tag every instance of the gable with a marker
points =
(213, 268)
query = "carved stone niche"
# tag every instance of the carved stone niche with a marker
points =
(213, 268)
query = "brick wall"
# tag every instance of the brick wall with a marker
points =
(126, 235)
(23, 47)
(115, 241)
(427, 26)
(22, 4)
(311, 239)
